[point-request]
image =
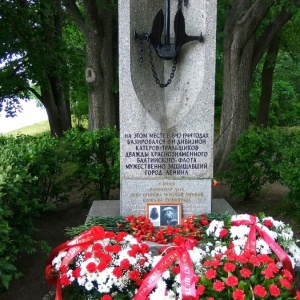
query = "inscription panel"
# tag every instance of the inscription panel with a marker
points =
(166, 154)
(195, 195)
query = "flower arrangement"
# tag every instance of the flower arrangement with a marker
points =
(237, 257)
(101, 263)
(244, 276)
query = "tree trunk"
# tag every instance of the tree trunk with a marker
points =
(57, 109)
(53, 95)
(242, 53)
(236, 85)
(267, 83)
(99, 71)
(98, 29)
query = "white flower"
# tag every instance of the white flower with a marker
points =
(88, 286)
(166, 274)
(239, 232)
(215, 227)
(81, 280)
(262, 247)
(161, 285)
(56, 262)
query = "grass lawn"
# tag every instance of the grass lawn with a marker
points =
(34, 129)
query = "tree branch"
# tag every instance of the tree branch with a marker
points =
(270, 32)
(75, 14)
(36, 94)
(251, 19)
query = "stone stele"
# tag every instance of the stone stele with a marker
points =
(166, 134)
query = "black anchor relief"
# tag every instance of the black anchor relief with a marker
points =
(166, 51)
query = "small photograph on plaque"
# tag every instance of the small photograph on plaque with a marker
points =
(164, 213)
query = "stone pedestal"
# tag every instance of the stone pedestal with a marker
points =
(166, 134)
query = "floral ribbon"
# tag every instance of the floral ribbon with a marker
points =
(187, 275)
(73, 247)
(251, 241)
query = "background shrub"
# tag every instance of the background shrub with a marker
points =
(96, 154)
(289, 168)
(28, 172)
(254, 162)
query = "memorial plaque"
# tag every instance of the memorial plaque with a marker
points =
(166, 133)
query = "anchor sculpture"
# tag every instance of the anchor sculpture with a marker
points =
(167, 51)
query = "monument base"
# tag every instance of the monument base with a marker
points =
(105, 208)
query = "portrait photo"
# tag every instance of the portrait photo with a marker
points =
(164, 213)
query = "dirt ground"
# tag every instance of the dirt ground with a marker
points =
(51, 227)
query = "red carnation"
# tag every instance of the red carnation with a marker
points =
(285, 283)
(245, 273)
(120, 236)
(76, 272)
(204, 222)
(176, 270)
(125, 264)
(268, 274)
(260, 291)
(63, 269)
(268, 223)
(109, 235)
(229, 267)
(106, 297)
(287, 274)
(238, 295)
(219, 286)
(102, 266)
(106, 258)
(117, 272)
(144, 248)
(51, 275)
(134, 275)
(91, 267)
(231, 281)
(274, 290)
(210, 274)
(223, 233)
(215, 263)
(200, 290)
(97, 247)
(87, 255)
(64, 280)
